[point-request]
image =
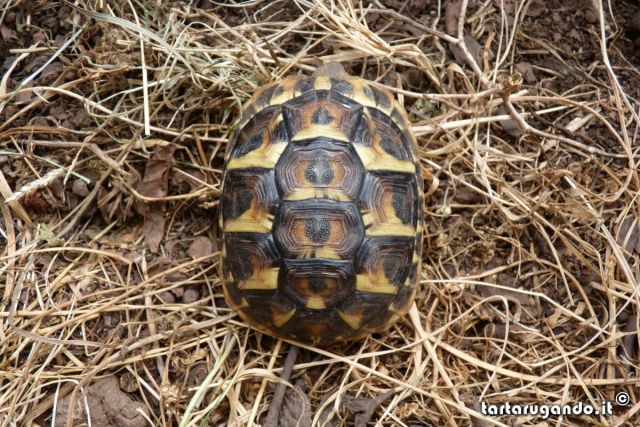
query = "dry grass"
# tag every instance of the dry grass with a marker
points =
(530, 287)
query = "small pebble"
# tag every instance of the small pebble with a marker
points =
(167, 297)
(190, 295)
(80, 188)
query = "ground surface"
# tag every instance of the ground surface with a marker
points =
(113, 120)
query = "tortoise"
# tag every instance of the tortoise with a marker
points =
(321, 209)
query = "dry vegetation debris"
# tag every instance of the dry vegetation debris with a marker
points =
(113, 120)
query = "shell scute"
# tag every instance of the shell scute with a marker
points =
(317, 114)
(319, 169)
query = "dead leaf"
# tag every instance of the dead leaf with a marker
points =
(155, 184)
(629, 235)
(197, 374)
(466, 196)
(451, 16)
(631, 341)
(526, 69)
(7, 33)
(57, 188)
(116, 202)
(507, 6)
(509, 125)
(25, 95)
(154, 222)
(77, 119)
(364, 408)
(509, 281)
(178, 291)
(167, 297)
(193, 177)
(39, 37)
(536, 8)
(473, 402)
(158, 266)
(575, 34)
(49, 236)
(296, 407)
(201, 246)
(58, 112)
(108, 405)
(52, 71)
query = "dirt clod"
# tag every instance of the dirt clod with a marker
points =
(108, 407)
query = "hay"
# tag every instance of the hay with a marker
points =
(529, 146)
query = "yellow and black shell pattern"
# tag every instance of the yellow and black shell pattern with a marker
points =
(321, 210)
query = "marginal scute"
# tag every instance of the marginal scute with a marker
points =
(281, 317)
(264, 97)
(321, 210)
(341, 86)
(269, 313)
(404, 298)
(374, 98)
(380, 97)
(353, 320)
(370, 309)
(401, 208)
(401, 120)
(317, 331)
(252, 142)
(252, 135)
(389, 145)
(240, 201)
(302, 86)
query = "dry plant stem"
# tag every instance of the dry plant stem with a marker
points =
(50, 91)
(7, 194)
(363, 418)
(437, 364)
(10, 252)
(382, 10)
(408, 386)
(263, 384)
(460, 43)
(278, 395)
(524, 126)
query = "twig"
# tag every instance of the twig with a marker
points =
(278, 395)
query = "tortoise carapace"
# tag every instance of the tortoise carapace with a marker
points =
(321, 209)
